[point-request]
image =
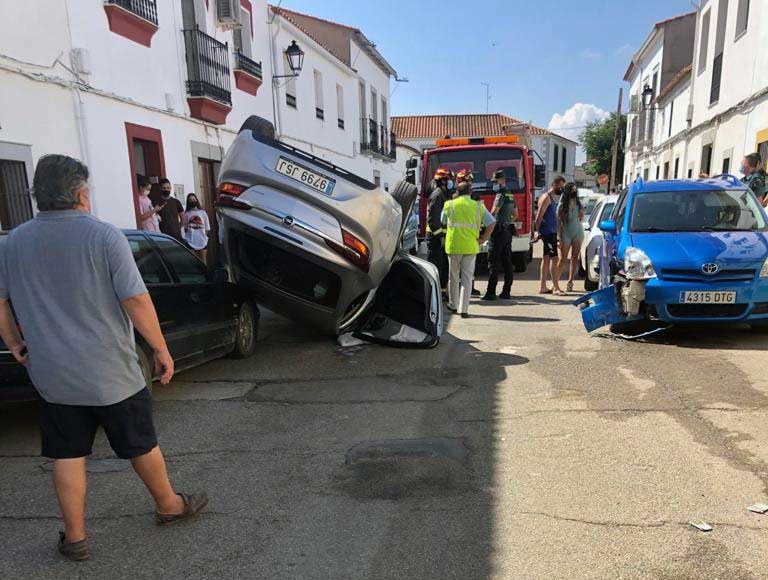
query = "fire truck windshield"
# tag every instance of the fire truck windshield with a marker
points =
(482, 161)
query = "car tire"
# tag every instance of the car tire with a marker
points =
(589, 285)
(146, 365)
(520, 261)
(260, 127)
(405, 195)
(246, 332)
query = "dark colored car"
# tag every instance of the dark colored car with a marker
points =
(203, 316)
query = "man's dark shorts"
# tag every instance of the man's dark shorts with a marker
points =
(69, 430)
(550, 244)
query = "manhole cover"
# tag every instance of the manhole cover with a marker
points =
(400, 468)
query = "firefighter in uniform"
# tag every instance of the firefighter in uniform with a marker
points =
(500, 247)
(464, 218)
(443, 184)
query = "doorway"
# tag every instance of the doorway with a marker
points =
(208, 171)
(145, 155)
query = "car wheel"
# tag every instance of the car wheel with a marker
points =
(519, 261)
(146, 365)
(259, 126)
(589, 285)
(246, 332)
(405, 194)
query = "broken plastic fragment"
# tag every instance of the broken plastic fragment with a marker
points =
(702, 526)
(758, 508)
(347, 340)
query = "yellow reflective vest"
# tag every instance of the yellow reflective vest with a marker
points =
(464, 220)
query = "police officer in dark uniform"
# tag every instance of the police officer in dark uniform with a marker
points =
(754, 177)
(442, 186)
(500, 247)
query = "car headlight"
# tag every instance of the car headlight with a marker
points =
(638, 266)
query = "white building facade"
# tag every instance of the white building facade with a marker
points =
(131, 87)
(714, 110)
(338, 108)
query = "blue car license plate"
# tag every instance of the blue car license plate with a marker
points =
(708, 297)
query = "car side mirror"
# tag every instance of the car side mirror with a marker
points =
(219, 275)
(539, 176)
(608, 226)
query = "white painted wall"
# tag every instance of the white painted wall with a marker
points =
(127, 83)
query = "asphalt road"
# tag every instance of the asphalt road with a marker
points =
(520, 448)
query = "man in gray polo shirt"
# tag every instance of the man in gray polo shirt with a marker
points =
(76, 293)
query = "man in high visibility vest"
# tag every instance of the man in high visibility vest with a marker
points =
(443, 184)
(464, 218)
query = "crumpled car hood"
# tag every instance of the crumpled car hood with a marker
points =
(692, 249)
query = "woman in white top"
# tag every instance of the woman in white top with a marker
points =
(148, 219)
(196, 227)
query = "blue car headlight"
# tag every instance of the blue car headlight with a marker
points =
(764, 270)
(637, 265)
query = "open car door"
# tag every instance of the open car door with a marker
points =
(407, 310)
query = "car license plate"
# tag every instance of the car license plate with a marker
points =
(727, 297)
(306, 176)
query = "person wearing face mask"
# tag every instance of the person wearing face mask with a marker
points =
(442, 184)
(546, 228)
(196, 227)
(755, 178)
(500, 247)
(148, 220)
(171, 213)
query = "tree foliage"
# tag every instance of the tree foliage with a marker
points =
(597, 140)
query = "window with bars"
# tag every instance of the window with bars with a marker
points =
(556, 158)
(742, 18)
(15, 199)
(565, 156)
(717, 63)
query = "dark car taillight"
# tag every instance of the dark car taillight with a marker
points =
(353, 250)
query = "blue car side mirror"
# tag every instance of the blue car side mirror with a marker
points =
(608, 226)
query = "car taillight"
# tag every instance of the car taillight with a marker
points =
(232, 189)
(353, 250)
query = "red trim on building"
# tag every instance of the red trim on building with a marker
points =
(208, 110)
(247, 5)
(154, 136)
(129, 25)
(246, 82)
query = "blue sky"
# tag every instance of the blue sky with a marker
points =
(541, 57)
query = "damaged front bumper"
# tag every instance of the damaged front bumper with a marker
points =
(612, 305)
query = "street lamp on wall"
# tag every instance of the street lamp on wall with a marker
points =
(295, 57)
(648, 97)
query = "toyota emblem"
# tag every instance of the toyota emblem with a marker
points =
(710, 268)
(288, 221)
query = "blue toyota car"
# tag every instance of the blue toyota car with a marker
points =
(683, 251)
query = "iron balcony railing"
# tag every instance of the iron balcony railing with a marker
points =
(146, 9)
(248, 65)
(373, 135)
(207, 66)
(364, 134)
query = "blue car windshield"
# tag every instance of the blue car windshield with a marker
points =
(696, 211)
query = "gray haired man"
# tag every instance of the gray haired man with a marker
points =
(77, 293)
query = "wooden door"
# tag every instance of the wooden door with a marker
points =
(208, 171)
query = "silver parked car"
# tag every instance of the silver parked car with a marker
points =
(321, 245)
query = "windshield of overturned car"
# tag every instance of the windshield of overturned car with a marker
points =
(696, 211)
(482, 162)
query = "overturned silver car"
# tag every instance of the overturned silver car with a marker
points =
(321, 245)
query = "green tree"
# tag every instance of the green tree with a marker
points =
(597, 140)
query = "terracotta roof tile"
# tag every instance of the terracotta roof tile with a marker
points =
(287, 14)
(438, 126)
(674, 82)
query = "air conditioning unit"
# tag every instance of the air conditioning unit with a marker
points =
(228, 13)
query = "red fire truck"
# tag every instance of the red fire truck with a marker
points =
(482, 156)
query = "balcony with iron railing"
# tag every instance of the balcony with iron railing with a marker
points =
(208, 77)
(248, 74)
(133, 19)
(376, 139)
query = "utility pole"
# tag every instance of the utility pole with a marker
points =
(487, 95)
(616, 135)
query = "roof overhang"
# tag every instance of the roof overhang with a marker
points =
(370, 49)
